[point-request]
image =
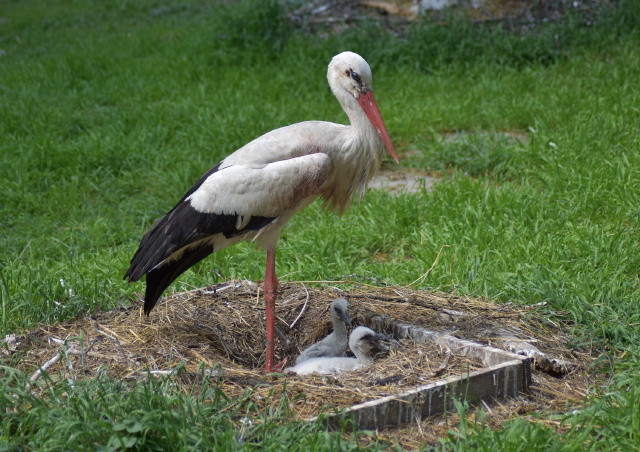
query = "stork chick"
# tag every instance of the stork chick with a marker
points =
(335, 344)
(363, 342)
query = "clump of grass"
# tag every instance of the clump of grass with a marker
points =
(475, 154)
(256, 27)
(610, 421)
(151, 414)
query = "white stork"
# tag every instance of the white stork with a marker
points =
(252, 193)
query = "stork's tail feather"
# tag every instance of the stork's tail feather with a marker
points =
(155, 246)
(159, 278)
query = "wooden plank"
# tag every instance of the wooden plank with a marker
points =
(488, 356)
(497, 382)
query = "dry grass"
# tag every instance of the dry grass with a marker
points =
(222, 328)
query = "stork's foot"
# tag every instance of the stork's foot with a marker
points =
(276, 368)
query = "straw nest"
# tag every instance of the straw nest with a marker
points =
(221, 328)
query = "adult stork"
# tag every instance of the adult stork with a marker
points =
(252, 193)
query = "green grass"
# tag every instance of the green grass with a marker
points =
(150, 415)
(110, 111)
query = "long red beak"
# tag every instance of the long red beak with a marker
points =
(368, 104)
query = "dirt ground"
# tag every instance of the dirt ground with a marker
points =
(334, 16)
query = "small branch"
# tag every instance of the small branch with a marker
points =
(23, 250)
(72, 374)
(160, 372)
(552, 392)
(38, 373)
(304, 308)
(114, 340)
(421, 279)
(367, 278)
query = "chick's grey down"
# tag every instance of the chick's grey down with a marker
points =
(336, 343)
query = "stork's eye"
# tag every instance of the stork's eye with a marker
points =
(356, 77)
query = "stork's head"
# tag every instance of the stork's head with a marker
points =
(349, 72)
(350, 79)
(340, 311)
(363, 342)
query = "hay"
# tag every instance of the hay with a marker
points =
(222, 328)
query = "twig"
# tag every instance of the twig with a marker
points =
(111, 332)
(558, 394)
(321, 281)
(114, 340)
(160, 372)
(232, 284)
(84, 352)
(223, 288)
(304, 308)
(201, 358)
(71, 351)
(70, 365)
(421, 279)
(38, 373)
(23, 250)
(368, 278)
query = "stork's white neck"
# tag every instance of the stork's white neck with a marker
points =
(363, 150)
(357, 151)
(356, 157)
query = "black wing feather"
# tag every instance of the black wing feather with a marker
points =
(182, 227)
(161, 277)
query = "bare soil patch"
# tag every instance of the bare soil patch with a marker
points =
(335, 16)
(401, 180)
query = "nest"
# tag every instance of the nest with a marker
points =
(222, 328)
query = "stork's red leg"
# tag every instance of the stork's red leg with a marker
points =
(270, 293)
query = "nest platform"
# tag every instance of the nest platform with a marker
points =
(499, 356)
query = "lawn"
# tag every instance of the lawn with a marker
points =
(109, 111)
